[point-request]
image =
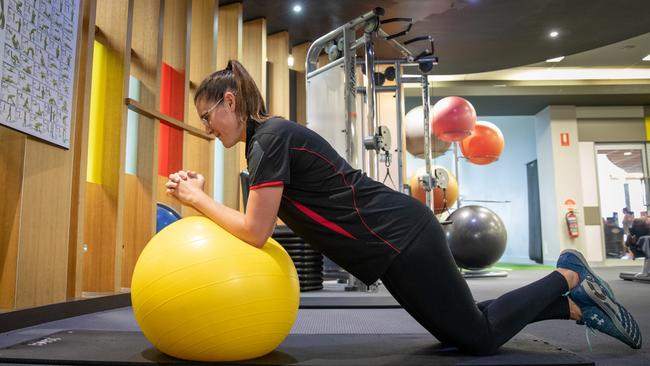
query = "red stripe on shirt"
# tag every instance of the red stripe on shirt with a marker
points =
(354, 200)
(268, 184)
(320, 219)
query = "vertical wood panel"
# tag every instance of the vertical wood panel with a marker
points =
(277, 54)
(104, 205)
(254, 60)
(174, 33)
(254, 51)
(199, 153)
(80, 150)
(229, 42)
(41, 276)
(140, 207)
(198, 157)
(299, 53)
(12, 154)
(203, 49)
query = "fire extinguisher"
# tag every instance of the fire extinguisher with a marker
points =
(572, 224)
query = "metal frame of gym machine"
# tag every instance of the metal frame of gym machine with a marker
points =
(378, 141)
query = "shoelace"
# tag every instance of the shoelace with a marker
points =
(587, 330)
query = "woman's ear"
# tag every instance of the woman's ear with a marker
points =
(230, 100)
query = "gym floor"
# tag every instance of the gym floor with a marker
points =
(605, 350)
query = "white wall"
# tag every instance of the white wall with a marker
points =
(588, 173)
(560, 180)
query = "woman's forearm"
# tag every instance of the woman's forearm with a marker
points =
(231, 220)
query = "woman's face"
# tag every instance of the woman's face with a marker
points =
(221, 120)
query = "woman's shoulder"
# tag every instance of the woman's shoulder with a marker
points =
(279, 126)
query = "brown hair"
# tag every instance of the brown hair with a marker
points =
(236, 79)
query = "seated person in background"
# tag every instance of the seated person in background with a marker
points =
(639, 227)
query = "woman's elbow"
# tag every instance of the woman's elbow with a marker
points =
(259, 242)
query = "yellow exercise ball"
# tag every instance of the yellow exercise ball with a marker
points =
(199, 293)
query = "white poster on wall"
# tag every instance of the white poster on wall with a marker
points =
(38, 40)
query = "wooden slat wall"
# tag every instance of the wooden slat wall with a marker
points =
(277, 54)
(230, 38)
(12, 153)
(80, 150)
(41, 275)
(299, 53)
(140, 207)
(44, 231)
(103, 226)
(198, 152)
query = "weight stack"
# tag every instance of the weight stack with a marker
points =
(308, 262)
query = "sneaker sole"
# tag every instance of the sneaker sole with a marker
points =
(591, 272)
(611, 308)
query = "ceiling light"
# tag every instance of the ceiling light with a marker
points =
(627, 153)
(554, 34)
(557, 59)
(297, 8)
(290, 60)
(647, 58)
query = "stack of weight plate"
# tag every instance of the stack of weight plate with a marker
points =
(308, 262)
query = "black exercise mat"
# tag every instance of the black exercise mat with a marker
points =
(86, 347)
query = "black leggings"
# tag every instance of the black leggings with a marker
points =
(425, 280)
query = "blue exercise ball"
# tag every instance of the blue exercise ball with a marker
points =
(165, 215)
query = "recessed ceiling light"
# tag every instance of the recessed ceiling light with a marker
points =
(297, 8)
(627, 153)
(647, 58)
(557, 59)
(554, 34)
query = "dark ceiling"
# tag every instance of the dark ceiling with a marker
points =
(472, 35)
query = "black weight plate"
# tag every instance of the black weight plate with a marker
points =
(318, 270)
(293, 252)
(307, 265)
(287, 240)
(306, 258)
(311, 282)
(310, 276)
(311, 288)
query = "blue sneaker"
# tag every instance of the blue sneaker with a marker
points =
(573, 260)
(601, 312)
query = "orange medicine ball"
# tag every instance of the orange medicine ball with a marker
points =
(484, 145)
(450, 194)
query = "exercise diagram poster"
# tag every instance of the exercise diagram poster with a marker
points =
(38, 48)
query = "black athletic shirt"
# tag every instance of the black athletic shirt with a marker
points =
(359, 223)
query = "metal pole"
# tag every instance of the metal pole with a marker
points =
(427, 140)
(373, 161)
(350, 96)
(458, 203)
(398, 121)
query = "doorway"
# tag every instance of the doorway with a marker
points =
(623, 191)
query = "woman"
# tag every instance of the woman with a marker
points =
(374, 232)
